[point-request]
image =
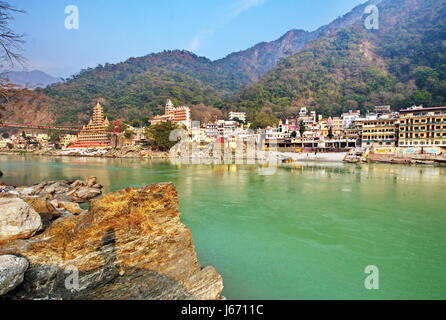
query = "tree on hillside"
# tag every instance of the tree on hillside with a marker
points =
(158, 135)
(205, 113)
(128, 133)
(302, 128)
(263, 120)
(10, 48)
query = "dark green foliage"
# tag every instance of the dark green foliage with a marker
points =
(402, 63)
(330, 134)
(139, 87)
(302, 128)
(158, 135)
(263, 120)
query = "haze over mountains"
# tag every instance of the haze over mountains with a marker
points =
(30, 79)
(335, 68)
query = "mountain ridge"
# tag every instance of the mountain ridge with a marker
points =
(29, 79)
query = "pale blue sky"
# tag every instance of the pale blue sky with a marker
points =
(115, 30)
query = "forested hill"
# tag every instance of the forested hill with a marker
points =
(138, 87)
(402, 63)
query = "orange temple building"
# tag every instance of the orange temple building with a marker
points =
(94, 135)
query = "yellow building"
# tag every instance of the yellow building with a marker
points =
(422, 127)
(379, 132)
(67, 139)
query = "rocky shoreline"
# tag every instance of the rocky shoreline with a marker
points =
(129, 244)
(125, 152)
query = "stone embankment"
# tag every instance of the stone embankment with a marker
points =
(129, 244)
(426, 159)
(125, 152)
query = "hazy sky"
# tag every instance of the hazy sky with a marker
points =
(115, 30)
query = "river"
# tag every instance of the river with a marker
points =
(306, 232)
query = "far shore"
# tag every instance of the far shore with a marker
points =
(282, 157)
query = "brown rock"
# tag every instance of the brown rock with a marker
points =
(91, 182)
(43, 207)
(131, 245)
(84, 194)
(71, 207)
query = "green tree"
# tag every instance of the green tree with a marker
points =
(158, 135)
(330, 134)
(420, 97)
(128, 133)
(54, 136)
(136, 123)
(302, 128)
(293, 134)
(263, 120)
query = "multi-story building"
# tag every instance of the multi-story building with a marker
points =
(94, 135)
(422, 127)
(180, 115)
(349, 117)
(4, 142)
(337, 126)
(379, 132)
(67, 139)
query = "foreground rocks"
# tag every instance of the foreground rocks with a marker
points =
(18, 220)
(67, 190)
(130, 244)
(12, 270)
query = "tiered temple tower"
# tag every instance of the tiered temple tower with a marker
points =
(169, 107)
(95, 135)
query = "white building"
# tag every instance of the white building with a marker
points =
(349, 117)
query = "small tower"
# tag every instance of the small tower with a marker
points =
(169, 107)
(98, 114)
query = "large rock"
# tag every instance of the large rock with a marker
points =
(18, 220)
(83, 194)
(12, 270)
(130, 245)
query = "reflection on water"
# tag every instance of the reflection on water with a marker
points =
(306, 232)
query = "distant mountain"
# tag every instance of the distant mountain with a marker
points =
(29, 79)
(259, 59)
(402, 63)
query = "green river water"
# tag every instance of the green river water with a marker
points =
(306, 232)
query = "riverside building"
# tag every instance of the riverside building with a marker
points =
(94, 135)
(422, 127)
(379, 132)
(180, 115)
